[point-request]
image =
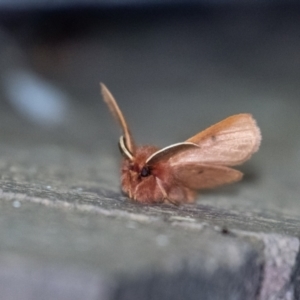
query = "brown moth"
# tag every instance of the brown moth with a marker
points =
(174, 174)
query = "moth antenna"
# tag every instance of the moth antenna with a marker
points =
(168, 151)
(117, 113)
(124, 150)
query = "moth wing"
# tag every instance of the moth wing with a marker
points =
(118, 115)
(193, 175)
(201, 176)
(227, 143)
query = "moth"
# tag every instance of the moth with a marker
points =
(175, 173)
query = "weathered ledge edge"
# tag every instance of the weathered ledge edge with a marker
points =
(281, 258)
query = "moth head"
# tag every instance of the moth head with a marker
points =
(135, 171)
(136, 165)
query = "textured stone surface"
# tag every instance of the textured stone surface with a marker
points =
(62, 214)
(70, 251)
(66, 231)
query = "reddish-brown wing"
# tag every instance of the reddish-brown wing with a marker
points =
(204, 163)
(200, 176)
(227, 143)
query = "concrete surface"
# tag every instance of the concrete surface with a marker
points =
(66, 230)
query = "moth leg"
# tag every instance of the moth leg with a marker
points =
(163, 191)
(174, 202)
(165, 195)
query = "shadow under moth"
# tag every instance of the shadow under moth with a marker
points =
(175, 173)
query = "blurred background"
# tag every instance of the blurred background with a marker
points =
(175, 67)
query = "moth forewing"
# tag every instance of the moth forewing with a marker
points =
(228, 143)
(118, 115)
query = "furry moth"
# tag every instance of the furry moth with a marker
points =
(175, 173)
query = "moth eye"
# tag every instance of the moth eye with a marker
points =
(145, 172)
